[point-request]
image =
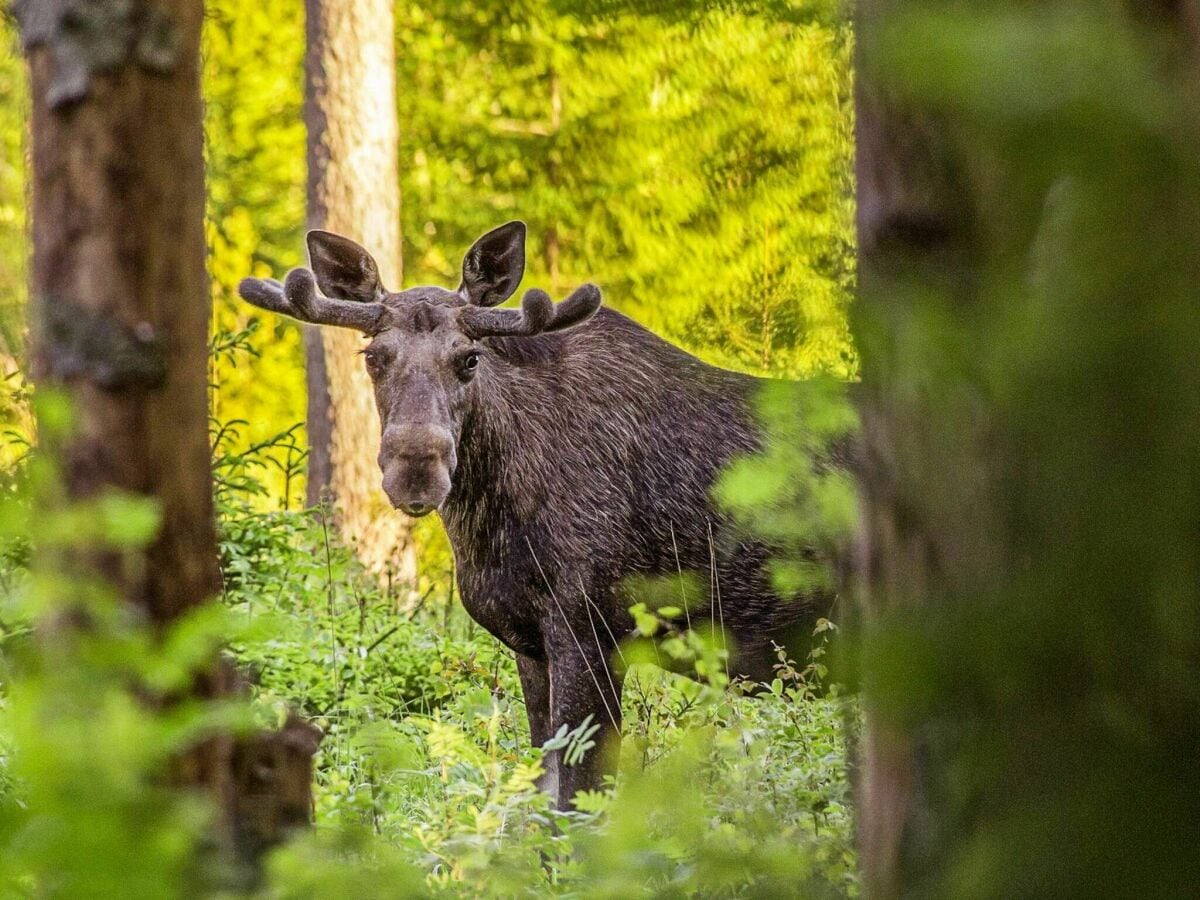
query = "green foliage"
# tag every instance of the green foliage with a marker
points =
(254, 164)
(699, 170)
(13, 113)
(426, 773)
(798, 494)
(16, 428)
(1042, 407)
(85, 741)
(425, 777)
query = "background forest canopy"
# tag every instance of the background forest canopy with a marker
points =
(661, 160)
(698, 170)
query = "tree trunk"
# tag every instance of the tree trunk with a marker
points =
(909, 215)
(319, 417)
(120, 298)
(354, 190)
(120, 307)
(1026, 308)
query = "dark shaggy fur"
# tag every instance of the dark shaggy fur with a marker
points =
(562, 464)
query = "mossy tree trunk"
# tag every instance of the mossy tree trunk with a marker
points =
(353, 190)
(120, 314)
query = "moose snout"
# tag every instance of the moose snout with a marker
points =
(417, 462)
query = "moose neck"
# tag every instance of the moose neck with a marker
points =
(507, 440)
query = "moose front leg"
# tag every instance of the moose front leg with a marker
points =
(582, 685)
(535, 685)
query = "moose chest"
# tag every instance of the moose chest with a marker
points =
(503, 603)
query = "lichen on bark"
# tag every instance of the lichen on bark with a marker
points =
(96, 37)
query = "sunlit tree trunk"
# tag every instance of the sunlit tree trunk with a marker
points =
(353, 190)
(120, 308)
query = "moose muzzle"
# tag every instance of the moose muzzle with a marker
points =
(417, 462)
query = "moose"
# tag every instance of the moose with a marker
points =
(567, 450)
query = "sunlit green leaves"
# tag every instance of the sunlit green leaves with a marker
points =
(698, 168)
(798, 493)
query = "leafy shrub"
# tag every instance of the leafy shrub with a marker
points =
(425, 781)
(426, 774)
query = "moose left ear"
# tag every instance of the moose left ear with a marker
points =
(344, 270)
(493, 266)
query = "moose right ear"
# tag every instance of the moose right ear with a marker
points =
(494, 265)
(344, 270)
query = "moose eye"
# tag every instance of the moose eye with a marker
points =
(469, 363)
(374, 360)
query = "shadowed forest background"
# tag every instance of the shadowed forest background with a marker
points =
(968, 230)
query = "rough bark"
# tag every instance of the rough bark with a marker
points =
(120, 305)
(354, 190)
(120, 302)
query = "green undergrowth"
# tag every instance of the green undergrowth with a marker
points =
(426, 772)
(425, 778)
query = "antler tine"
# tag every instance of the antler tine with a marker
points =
(537, 315)
(299, 298)
(265, 293)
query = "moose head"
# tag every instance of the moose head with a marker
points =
(428, 352)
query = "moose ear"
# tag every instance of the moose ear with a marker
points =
(344, 270)
(493, 266)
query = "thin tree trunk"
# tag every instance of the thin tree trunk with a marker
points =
(354, 190)
(120, 308)
(319, 417)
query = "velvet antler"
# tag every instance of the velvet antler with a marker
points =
(299, 298)
(537, 315)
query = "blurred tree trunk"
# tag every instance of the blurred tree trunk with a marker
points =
(973, 461)
(120, 312)
(909, 215)
(119, 298)
(353, 190)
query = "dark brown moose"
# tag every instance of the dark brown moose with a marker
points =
(566, 449)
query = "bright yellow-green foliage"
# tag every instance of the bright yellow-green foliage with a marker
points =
(13, 413)
(699, 170)
(254, 89)
(12, 188)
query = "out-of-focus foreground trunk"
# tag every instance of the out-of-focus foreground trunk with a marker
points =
(120, 309)
(1028, 179)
